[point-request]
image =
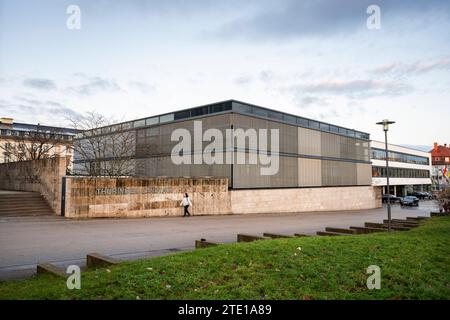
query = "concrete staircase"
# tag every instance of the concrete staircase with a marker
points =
(18, 204)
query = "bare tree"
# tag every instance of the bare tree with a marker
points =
(103, 148)
(444, 194)
(41, 143)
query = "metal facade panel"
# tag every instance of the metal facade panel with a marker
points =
(309, 172)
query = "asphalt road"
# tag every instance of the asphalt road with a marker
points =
(26, 241)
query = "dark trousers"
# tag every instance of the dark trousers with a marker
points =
(186, 211)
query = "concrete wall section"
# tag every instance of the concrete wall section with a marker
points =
(305, 199)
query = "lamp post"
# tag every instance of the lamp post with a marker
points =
(385, 123)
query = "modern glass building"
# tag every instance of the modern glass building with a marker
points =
(409, 169)
(311, 153)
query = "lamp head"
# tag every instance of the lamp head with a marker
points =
(385, 123)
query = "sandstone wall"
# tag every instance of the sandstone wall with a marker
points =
(144, 197)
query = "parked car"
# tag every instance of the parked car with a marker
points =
(419, 195)
(409, 201)
(430, 196)
(423, 195)
(392, 198)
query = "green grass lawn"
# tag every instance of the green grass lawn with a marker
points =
(414, 265)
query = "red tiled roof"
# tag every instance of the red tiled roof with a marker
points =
(440, 151)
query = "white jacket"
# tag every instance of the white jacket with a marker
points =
(186, 202)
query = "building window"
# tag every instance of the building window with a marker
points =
(303, 122)
(380, 172)
(275, 115)
(313, 124)
(260, 112)
(182, 115)
(127, 125)
(324, 126)
(199, 111)
(379, 154)
(151, 121)
(139, 123)
(166, 118)
(289, 118)
(221, 107)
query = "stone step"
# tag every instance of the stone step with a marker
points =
(23, 203)
(29, 212)
(249, 238)
(330, 234)
(301, 235)
(29, 209)
(365, 230)
(18, 208)
(48, 268)
(28, 200)
(402, 223)
(275, 236)
(20, 197)
(419, 218)
(33, 214)
(340, 230)
(97, 260)
(385, 226)
(18, 200)
(26, 204)
(202, 243)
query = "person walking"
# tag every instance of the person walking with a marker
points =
(186, 202)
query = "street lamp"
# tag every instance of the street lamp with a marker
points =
(385, 123)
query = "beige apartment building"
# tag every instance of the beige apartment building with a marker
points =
(23, 141)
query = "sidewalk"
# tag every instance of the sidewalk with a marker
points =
(26, 241)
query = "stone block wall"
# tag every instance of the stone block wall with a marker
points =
(144, 197)
(43, 176)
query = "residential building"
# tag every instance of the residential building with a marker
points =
(23, 141)
(440, 160)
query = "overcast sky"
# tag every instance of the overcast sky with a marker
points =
(137, 58)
